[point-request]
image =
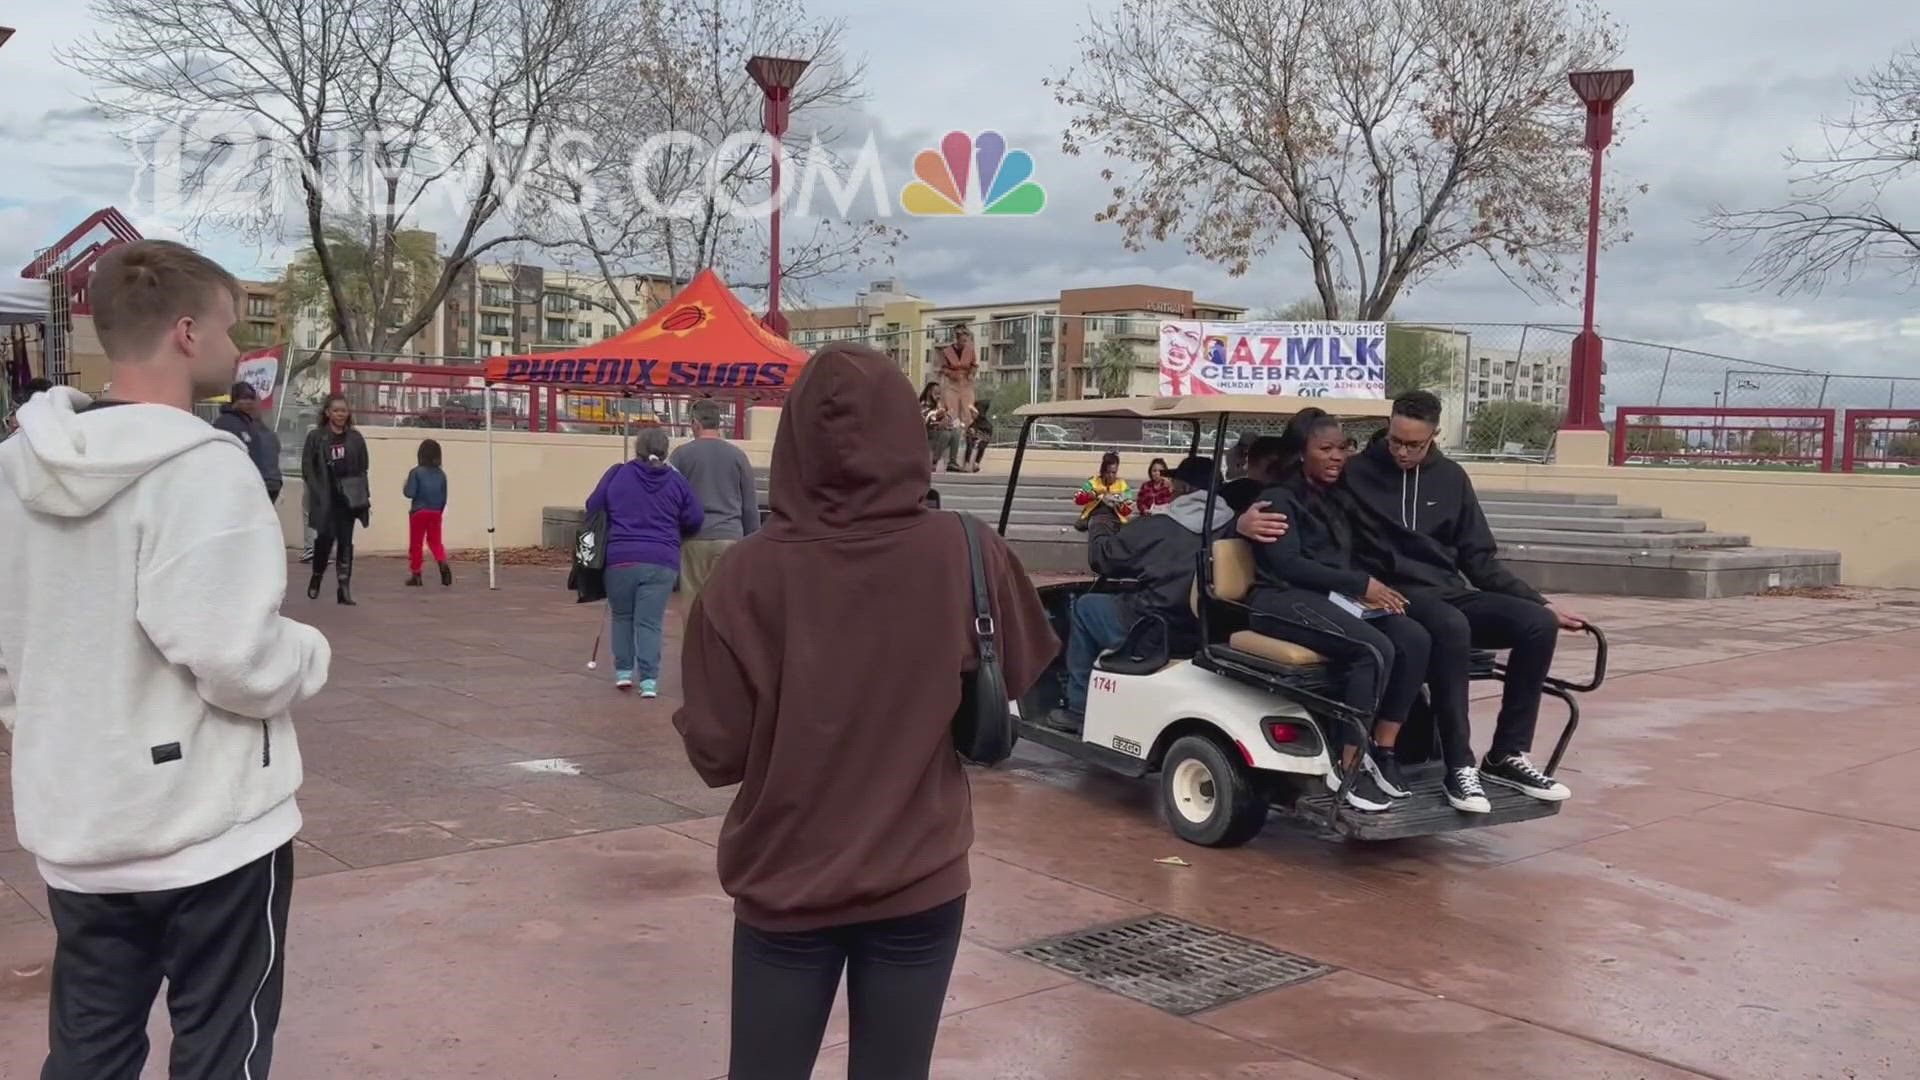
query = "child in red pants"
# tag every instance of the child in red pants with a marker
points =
(427, 487)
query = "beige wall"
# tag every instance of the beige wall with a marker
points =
(531, 473)
(1873, 521)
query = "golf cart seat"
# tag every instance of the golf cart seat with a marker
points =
(1233, 575)
(1147, 649)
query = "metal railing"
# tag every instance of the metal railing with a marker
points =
(1726, 438)
(453, 396)
(1874, 439)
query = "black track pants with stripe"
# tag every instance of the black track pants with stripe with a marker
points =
(221, 947)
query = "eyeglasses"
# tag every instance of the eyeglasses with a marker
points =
(1411, 446)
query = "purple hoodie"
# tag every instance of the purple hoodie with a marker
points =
(649, 508)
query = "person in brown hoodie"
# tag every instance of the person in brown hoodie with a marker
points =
(821, 674)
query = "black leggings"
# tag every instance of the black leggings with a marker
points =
(897, 973)
(335, 540)
(1382, 661)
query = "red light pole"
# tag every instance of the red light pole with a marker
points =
(1600, 90)
(776, 78)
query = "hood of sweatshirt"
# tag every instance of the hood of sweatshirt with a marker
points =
(1190, 510)
(69, 461)
(850, 454)
(1379, 465)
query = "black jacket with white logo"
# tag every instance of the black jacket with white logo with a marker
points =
(1429, 520)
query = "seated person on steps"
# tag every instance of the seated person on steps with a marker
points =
(1160, 552)
(1104, 489)
(1380, 657)
(1440, 553)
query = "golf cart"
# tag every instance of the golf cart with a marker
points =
(1248, 723)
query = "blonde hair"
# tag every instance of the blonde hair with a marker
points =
(140, 289)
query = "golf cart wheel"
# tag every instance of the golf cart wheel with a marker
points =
(1210, 799)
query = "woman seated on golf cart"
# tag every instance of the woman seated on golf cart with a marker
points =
(1309, 590)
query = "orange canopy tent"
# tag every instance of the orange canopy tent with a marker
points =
(702, 339)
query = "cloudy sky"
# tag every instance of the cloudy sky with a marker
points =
(1723, 88)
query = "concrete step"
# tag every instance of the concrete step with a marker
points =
(1510, 538)
(1680, 573)
(1503, 522)
(1557, 498)
(1494, 507)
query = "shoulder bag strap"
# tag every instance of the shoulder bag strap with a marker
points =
(983, 627)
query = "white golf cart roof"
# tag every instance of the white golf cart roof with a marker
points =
(1192, 408)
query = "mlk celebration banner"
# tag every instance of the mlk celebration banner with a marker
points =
(1301, 359)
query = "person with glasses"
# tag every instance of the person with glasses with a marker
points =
(1446, 562)
(1441, 554)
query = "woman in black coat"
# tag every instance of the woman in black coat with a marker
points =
(333, 463)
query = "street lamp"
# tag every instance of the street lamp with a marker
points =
(1600, 90)
(776, 77)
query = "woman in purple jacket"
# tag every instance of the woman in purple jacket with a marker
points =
(649, 509)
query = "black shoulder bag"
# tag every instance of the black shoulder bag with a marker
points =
(983, 724)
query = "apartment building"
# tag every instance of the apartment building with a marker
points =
(263, 321)
(1053, 338)
(497, 309)
(1536, 377)
(1130, 314)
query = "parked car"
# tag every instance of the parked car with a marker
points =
(465, 411)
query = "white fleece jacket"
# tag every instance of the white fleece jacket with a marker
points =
(141, 574)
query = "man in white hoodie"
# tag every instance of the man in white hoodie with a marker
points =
(154, 761)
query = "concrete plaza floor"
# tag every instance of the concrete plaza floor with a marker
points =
(507, 872)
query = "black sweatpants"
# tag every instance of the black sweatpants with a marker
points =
(1381, 661)
(1460, 620)
(336, 540)
(221, 947)
(897, 973)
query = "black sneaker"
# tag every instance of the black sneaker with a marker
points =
(1386, 771)
(1363, 792)
(1516, 772)
(1464, 792)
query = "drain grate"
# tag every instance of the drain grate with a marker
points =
(1172, 964)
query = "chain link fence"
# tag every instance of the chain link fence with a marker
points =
(1504, 385)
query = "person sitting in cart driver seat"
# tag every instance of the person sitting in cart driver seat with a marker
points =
(1264, 457)
(1443, 557)
(1160, 552)
(1379, 653)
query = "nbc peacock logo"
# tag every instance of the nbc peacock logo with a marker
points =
(1004, 187)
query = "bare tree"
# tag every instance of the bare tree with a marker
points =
(634, 200)
(380, 116)
(1836, 220)
(1390, 138)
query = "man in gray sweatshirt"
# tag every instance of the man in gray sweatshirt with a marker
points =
(722, 478)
